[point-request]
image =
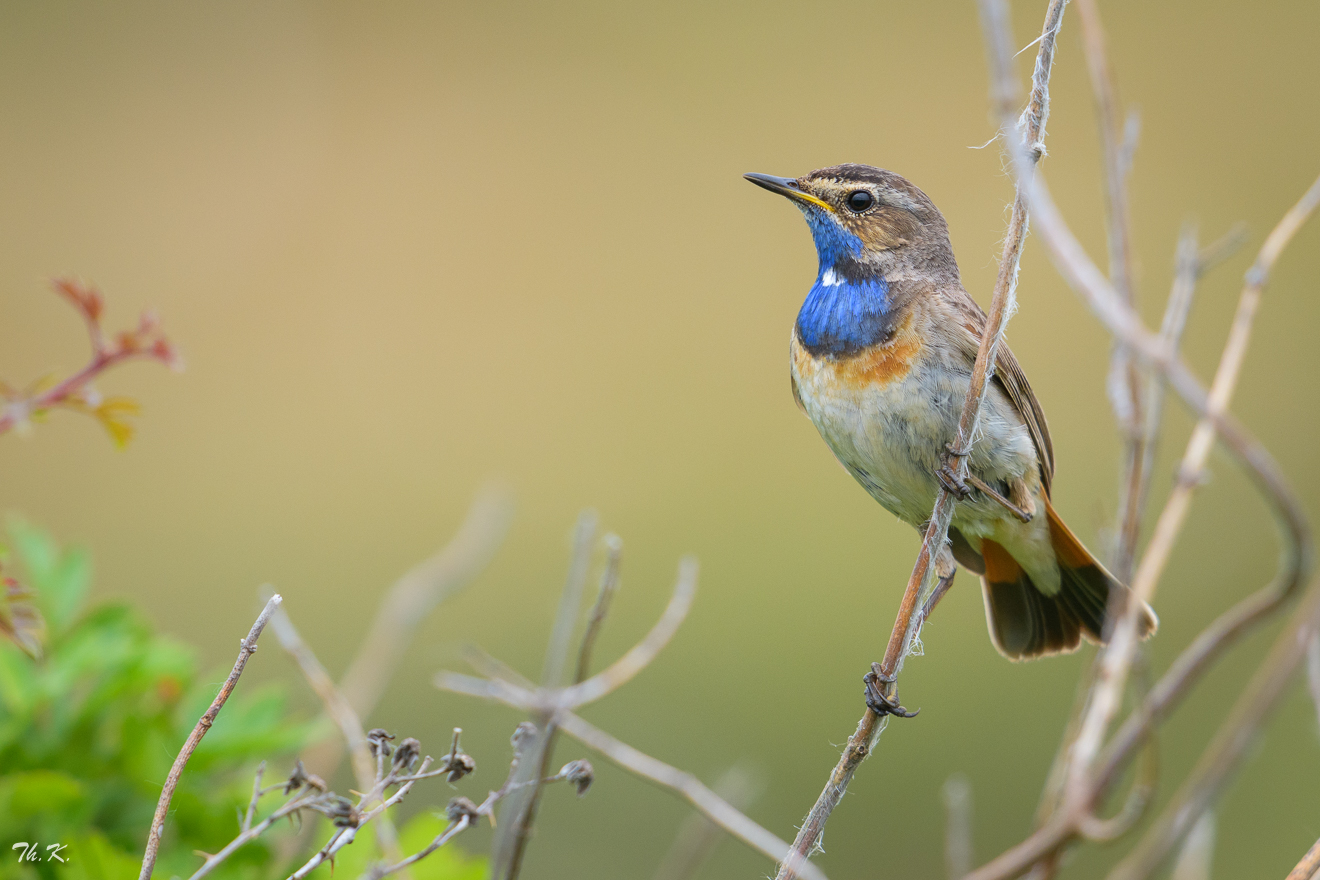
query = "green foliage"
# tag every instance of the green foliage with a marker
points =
(447, 863)
(88, 733)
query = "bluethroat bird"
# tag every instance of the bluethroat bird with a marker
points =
(881, 357)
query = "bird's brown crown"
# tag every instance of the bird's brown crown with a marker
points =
(883, 209)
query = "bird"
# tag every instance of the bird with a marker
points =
(881, 356)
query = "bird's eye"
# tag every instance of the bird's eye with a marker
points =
(859, 200)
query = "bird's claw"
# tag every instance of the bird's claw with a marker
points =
(952, 483)
(876, 700)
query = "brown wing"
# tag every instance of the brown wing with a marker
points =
(1009, 376)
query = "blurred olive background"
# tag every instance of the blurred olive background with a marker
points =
(409, 248)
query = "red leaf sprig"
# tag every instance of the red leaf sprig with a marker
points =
(144, 342)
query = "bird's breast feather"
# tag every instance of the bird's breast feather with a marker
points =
(875, 366)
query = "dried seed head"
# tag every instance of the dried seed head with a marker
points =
(580, 774)
(378, 740)
(460, 807)
(523, 735)
(406, 755)
(300, 777)
(459, 765)
(339, 810)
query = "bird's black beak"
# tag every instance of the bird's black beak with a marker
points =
(785, 186)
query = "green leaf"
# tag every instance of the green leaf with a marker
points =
(91, 856)
(447, 863)
(38, 792)
(59, 578)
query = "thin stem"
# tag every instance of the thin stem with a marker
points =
(1229, 745)
(247, 647)
(252, 832)
(609, 583)
(338, 708)
(367, 772)
(344, 836)
(1308, 866)
(510, 851)
(711, 805)
(698, 837)
(1084, 277)
(447, 835)
(418, 592)
(1126, 384)
(1117, 656)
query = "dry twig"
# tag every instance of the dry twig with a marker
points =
(1309, 866)
(247, 647)
(957, 794)
(336, 706)
(1230, 743)
(1197, 854)
(418, 592)
(557, 704)
(407, 604)
(512, 839)
(1125, 379)
(1080, 791)
(698, 836)
(366, 770)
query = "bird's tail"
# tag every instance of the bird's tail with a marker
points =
(1025, 622)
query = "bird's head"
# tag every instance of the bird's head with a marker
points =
(869, 222)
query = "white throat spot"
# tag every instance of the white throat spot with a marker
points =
(830, 278)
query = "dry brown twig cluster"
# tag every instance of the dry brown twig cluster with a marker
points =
(1091, 759)
(386, 773)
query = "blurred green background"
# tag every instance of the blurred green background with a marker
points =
(410, 247)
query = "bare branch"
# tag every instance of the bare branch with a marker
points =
(711, 805)
(512, 838)
(447, 835)
(367, 772)
(251, 832)
(257, 792)
(921, 583)
(609, 583)
(570, 604)
(1107, 303)
(418, 592)
(1126, 383)
(407, 604)
(546, 701)
(1308, 867)
(554, 706)
(640, 656)
(336, 706)
(344, 836)
(1198, 851)
(247, 647)
(698, 836)
(957, 794)
(1117, 656)
(1226, 750)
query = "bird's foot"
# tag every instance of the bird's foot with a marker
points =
(1025, 515)
(876, 700)
(952, 483)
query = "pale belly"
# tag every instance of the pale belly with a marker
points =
(887, 415)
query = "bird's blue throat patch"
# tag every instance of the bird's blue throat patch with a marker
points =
(843, 313)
